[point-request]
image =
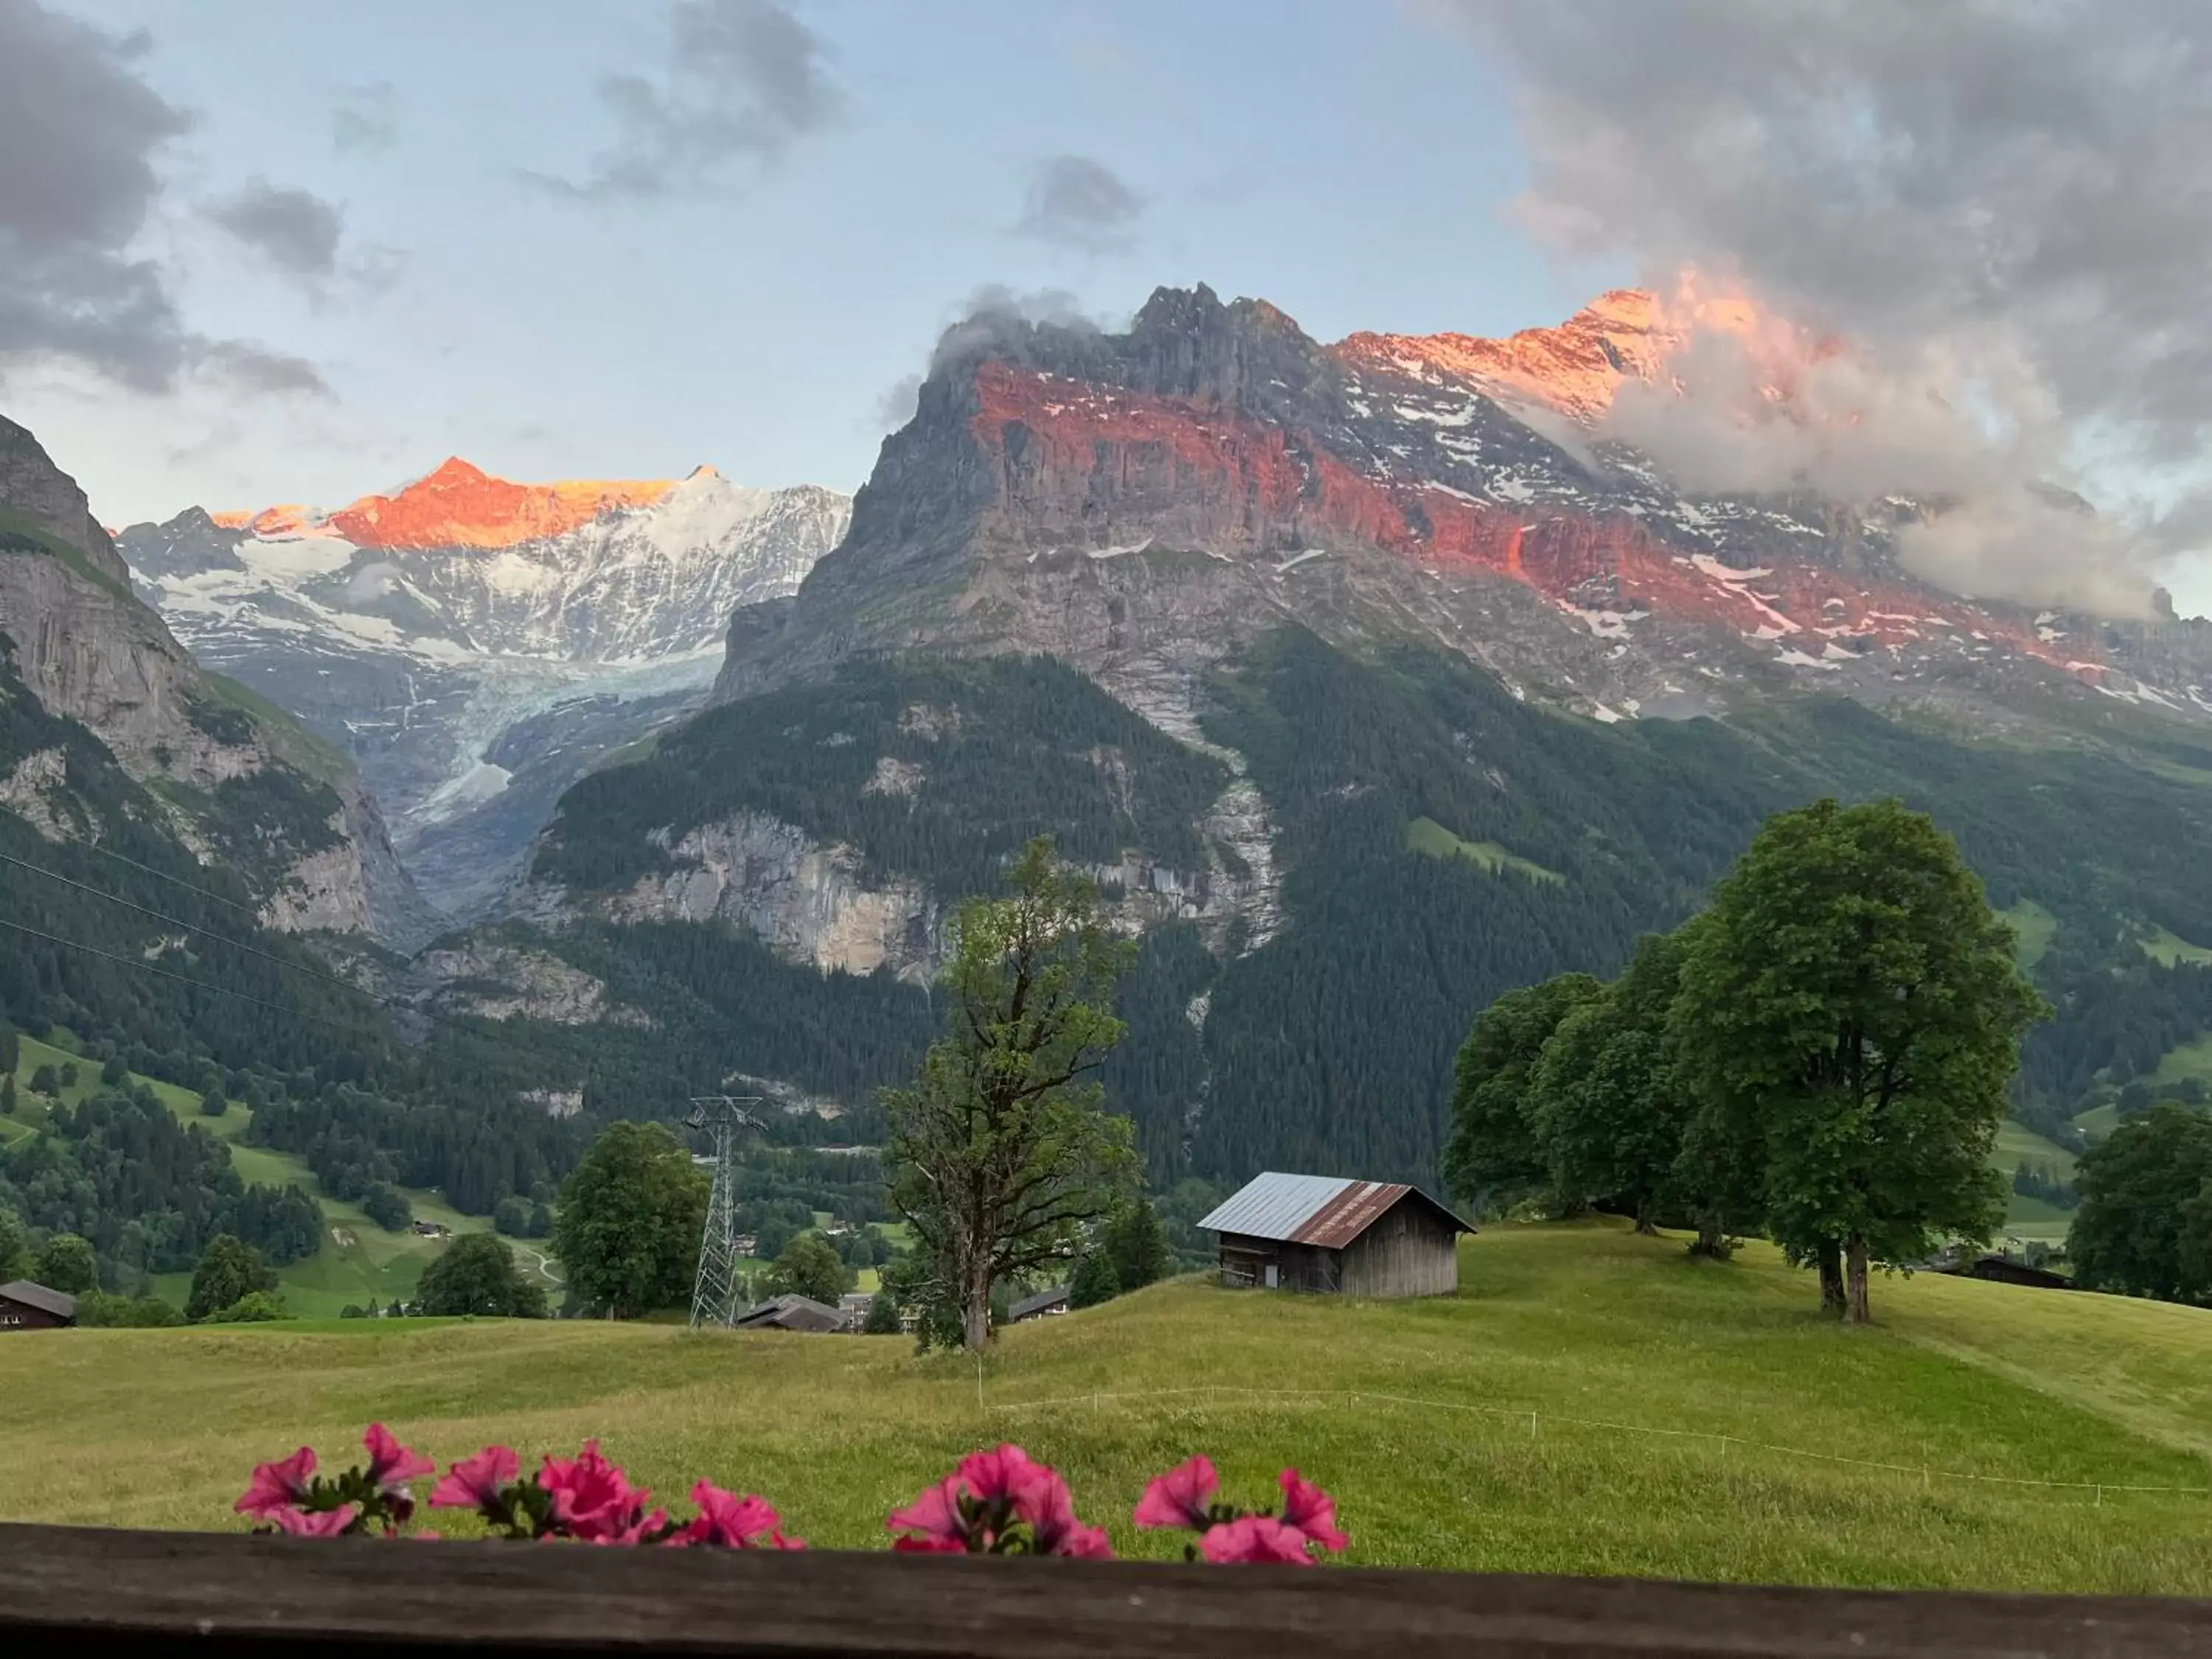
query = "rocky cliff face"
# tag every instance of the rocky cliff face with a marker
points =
(477, 644)
(90, 652)
(1142, 504)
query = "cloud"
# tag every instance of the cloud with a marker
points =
(295, 229)
(80, 133)
(1080, 202)
(994, 320)
(366, 120)
(2002, 208)
(744, 80)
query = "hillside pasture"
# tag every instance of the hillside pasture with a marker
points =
(1591, 1402)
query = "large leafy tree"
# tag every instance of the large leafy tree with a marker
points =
(1000, 1153)
(2145, 1222)
(1495, 1153)
(808, 1266)
(1604, 1098)
(1852, 992)
(230, 1270)
(476, 1275)
(68, 1262)
(631, 1214)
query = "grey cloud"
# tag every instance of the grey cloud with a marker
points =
(1080, 202)
(295, 229)
(79, 135)
(366, 120)
(743, 80)
(2002, 208)
(994, 320)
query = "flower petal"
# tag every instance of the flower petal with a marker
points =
(1181, 1498)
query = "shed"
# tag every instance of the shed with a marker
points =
(1331, 1233)
(789, 1313)
(26, 1305)
(1053, 1301)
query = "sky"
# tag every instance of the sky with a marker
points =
(505, 286)
(265, 251)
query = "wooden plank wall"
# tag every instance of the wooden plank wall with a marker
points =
(1409, 1252)
(130, 1594)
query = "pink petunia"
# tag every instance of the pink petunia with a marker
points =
(313, 1524)
(474, 1483)
(933, 1523)
(995, 1475)
(278, 1485)
(1255, 1538)
(592, 1499)
(392, 1465)
(1044, 1503)
(1311, 1510)
(1181, 1498)
(734, 1523)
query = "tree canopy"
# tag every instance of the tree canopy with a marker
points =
(477, 1275)
(808, 1266)
(629, 1227)
(2144, 1226)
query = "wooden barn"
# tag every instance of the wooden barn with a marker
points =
(1299, 1233)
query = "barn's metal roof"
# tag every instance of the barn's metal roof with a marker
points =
(1330, 1211)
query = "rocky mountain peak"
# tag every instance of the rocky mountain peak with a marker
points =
(47, 500)
(460, 505)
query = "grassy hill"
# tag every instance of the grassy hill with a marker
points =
(1636, 1361)
(359, 1262)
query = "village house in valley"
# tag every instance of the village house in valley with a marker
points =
(1329, 1233)
(26, 1306)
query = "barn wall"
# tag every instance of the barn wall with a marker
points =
(1408, 1252)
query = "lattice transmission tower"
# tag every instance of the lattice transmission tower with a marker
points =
(715, 1293)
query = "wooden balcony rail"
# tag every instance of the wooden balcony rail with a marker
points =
(90, 1591)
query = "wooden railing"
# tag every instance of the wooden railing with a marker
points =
(96, 1592)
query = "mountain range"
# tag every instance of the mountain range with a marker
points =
(476, 644)
(1370, 679)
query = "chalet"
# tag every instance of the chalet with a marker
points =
(1300, 1232)
(789, 1313)
(1042, 1304)
(26, 1306)
(2004, 1270)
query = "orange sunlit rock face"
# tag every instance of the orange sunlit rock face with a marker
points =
(1071, 455)
(1579, 367)
(459, 506)
(230, 520)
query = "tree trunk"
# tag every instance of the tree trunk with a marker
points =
(1712, 1237)
(1832, 1277)
(1644, 1223)
(1855, 1310)
(975, 1309)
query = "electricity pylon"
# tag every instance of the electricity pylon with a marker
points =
(715, 1293)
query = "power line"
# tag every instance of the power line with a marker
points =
(182, 979)
(178, 881)
(194, 927)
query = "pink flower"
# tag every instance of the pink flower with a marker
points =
(1311, 1510)
(593, 1500)
(1255, 1538)
(312, 1523)
(734, 1523)
(474, 1483)
(933, 1523)
(278, 1485)
(1044, 1503)
(392, 1465)
(992, 1475)
(1181, 1498)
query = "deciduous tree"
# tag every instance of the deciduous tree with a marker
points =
(630, 1218)
(1852, 992)
(2145, 1222)
(67, 1262)
(477, 1275)
(1000, 1154)
(230, 1270)
(808, 1266)
(1494, 1155)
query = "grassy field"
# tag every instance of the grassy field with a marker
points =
(359, 1261)
(1426, 836)
(2035, 927)
(2169, 947)
(1635, 1360)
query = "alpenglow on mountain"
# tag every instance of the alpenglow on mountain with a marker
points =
(1372, 680)
(477, 643)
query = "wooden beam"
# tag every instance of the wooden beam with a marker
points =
(140, 1593)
